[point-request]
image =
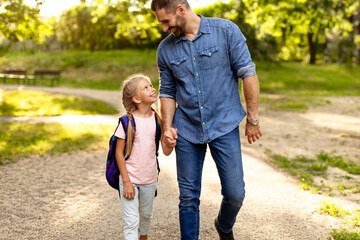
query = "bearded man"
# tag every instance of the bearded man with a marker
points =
(200, 63)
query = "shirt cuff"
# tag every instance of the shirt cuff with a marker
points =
(164, 95)
(246, 71)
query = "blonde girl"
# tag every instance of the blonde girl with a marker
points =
(138, 173)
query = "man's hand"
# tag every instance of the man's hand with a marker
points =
(252, 132)
(170, 137)
(129, 190)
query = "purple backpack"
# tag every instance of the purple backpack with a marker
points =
(112, 169)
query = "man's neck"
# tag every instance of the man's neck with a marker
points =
(193, 25)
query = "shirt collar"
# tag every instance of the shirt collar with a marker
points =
(204, 25)
(204, 29)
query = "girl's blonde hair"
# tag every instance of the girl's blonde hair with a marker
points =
(129, 90)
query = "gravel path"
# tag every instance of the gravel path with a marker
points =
(66, 196)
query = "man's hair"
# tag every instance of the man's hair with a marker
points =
(168, 5)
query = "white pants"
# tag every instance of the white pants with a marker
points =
(137, 213)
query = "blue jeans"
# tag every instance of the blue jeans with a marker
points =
(226, 152)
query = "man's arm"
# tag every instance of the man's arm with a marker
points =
(167, 110)
(251, 94)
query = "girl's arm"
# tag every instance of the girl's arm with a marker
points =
(166, 148)
(129, 190)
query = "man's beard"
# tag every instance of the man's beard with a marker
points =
(179, 28)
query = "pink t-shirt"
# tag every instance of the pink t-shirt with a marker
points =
(141, 165)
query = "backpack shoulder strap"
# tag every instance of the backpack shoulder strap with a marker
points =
(124, 120)
(157, 140)
(157, 134)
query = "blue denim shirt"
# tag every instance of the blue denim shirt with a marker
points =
(202, 76)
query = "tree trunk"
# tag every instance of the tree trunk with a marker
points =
(356, 27)
(312, 47)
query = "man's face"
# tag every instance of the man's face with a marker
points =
(173, 22)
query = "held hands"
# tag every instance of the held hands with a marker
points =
(129, 190)
(252, 132)
(170, 137)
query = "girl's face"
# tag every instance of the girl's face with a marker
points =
(145, 92)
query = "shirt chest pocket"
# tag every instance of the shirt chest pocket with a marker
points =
(210, 58)
(179, 67)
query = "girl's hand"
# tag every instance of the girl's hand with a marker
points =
(129, 191)
(170, 137)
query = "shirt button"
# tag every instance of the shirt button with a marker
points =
(203, 123)
(194, 59)
(197, 74)
(202, 107)
(199, 91)
(209, 54)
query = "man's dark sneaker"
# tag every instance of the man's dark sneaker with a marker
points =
(222, 235)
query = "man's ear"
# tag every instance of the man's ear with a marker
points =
(180, 9)
(136, 99)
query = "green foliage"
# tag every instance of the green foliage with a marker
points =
(317, 31)
(354, 218)
(285, 103)
(303, 27)
(302, 79)
(108, 26)
(345, 235)
(23, 140)
(99, 69)
(75, 28)
(337, 161)
(137, 24)
(107, 70)
(32, 103)
(219, 10)
(305, 169)
(18, 22)
(300, 167)
(307, 30)
(291, 103)
(351, 217)
(332, 209)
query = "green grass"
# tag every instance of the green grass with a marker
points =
(309, 80)
(354, 218)
(85, 69)
(305, 169)
(107, 70)
(344, 235)
(23, 140)
(337, 161)
(332, 209)
(291, 103)
(350, 217)
(33, 103)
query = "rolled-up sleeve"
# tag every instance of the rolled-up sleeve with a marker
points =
(239, 53)
(167, 81)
